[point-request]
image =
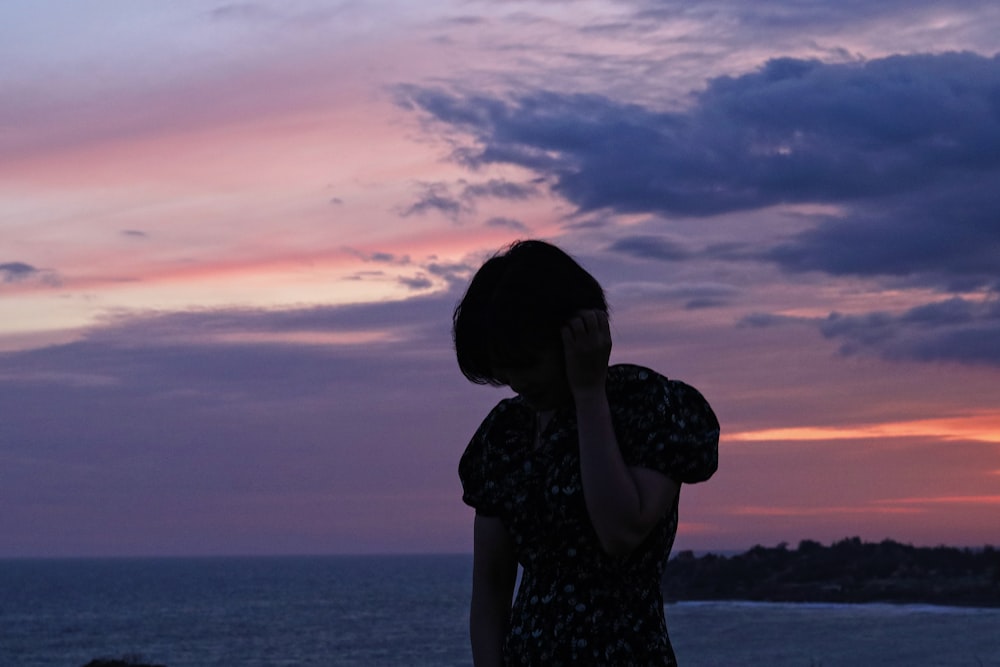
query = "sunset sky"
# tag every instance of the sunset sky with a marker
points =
(232, 235)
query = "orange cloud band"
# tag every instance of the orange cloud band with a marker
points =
(975, 427)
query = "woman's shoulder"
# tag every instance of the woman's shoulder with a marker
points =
(632, 378)
(635, 377)
(664, 425)
(632, 372)
(632, 384)
(476, 467)
(505, 419)
(635, 390)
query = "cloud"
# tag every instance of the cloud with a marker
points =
(955, 330)
(901, 155)
(436, 197)
(909, 146)
(279, 15)
(417, 282)
(499, 189)
(456, 274)
(400, 316)
(439, 196)
(20, 272)
(781, 15)
(265, 355)
(507, 223)
(945, 236)
(242, 11)
(947, 500)
(958, 330)
(379, 257)
(834, 28)
(694, 295)
(650, 247)
(755, 511)
(765, 320)
(17, 271)
(169, 406)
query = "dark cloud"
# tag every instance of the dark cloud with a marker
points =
(731, 251)
(701, 304)
(500, 189)
(763, 320)
(903, 152)
(436, 197)
(958, 330)
(736, 24)
(694, 296)
(594, 222)
(650, 247)
(417, 282)
(363, 275)
(908, 145)
(17, 271)
(783, 15)
(508, 223)
(379, 257)
(135, 234)
(466, 21)
(457, 275)
(439, 196)
(453, 273)
(947, 236)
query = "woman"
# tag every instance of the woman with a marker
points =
(577, 478)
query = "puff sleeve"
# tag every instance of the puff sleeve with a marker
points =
(665, 425)
(480, 488)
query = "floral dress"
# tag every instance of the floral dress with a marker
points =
(576, 604)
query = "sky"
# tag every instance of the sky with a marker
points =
(232, 236)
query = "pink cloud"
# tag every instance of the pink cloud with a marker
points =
(845, 511)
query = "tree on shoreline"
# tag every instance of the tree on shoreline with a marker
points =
(847, 571)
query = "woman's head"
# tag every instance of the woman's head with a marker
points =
(515, 306)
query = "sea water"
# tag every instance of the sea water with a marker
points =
(410, 611)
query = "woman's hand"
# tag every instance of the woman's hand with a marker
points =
(624, 502)
(587, 348)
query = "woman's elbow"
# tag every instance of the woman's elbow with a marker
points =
(623, 542)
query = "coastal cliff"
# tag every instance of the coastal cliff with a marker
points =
(846, 571)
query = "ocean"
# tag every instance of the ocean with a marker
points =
(368, 611)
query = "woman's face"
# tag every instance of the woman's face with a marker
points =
(542, 383)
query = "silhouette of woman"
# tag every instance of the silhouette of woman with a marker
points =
(577, 478)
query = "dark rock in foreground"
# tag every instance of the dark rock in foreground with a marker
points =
(846, 571)
(120, 662)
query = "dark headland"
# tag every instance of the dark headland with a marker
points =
(847, 571)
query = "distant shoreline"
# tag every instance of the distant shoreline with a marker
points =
(846, 572)
(880, 604)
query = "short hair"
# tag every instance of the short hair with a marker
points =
(515, 307)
